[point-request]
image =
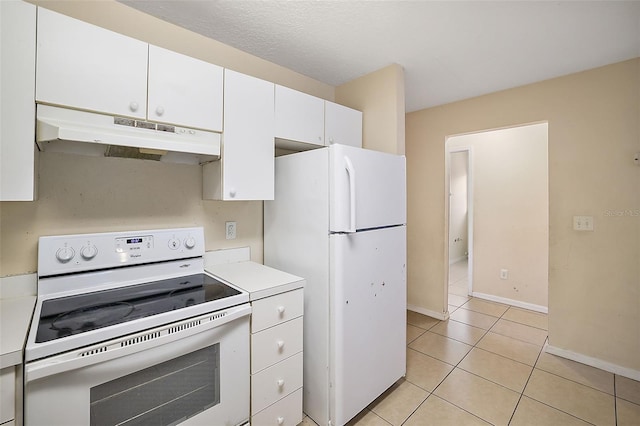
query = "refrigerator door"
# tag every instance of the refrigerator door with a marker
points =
(368, 324)
(368, 189)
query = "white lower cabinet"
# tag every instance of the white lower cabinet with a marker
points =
(276, 363)
(286, 412)
(7, 394)
(274, 382)
(276, 340)
(275, 344)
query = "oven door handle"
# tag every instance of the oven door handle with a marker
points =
(132, 343)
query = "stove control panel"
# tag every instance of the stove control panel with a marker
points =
(83, 252)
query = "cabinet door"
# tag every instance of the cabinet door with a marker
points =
(17, 109)
(246, 170)
(299, 116)
(87, 67)
(184, 91)
(342, 125)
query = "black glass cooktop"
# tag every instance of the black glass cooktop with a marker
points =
(84, 312)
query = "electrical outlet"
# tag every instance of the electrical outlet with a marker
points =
(583, 223)
(504, 274)
(230, 230)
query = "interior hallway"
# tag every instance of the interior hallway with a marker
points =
(485, 365)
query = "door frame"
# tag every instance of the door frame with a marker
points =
(447, 194)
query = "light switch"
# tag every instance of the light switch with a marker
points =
(583, 223)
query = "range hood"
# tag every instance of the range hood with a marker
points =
(86, 133)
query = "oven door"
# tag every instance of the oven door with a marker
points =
(192, 372)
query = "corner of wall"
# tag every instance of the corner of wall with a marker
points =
(380, 96)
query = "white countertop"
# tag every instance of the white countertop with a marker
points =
(17, 300)
(258, 280)
(15, 318)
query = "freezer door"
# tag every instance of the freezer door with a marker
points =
(367, 189)
(368, 324)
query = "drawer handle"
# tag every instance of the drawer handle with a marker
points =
(281, 310)
(280, 420)
(280, 344)
(280, 383)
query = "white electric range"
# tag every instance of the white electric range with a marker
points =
(129, 329)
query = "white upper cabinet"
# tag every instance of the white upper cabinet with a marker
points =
(246, 168)
(299, 117)
(83, 66)
(342, 125)
(184, 90)
(87, 67)
(17, 109)
(304, 121)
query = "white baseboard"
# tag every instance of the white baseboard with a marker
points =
(442, 316)
(594, 362)
(516, 303)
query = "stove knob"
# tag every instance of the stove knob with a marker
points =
(190, 242)
(88, 252)
(65, 254)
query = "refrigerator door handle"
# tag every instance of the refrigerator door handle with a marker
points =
(351, 171)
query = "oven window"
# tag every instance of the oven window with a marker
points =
(164, 394)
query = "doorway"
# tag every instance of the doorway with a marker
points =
(507, 217)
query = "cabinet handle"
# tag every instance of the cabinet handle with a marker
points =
(280, 383)
(280, 420)
(281, 310)
(280, 344)
(133, 106)
(159, 111)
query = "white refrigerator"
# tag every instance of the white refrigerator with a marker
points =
(339, 221)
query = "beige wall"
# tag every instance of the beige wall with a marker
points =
(380, 96)
(82, 194)
(593, 116)
(510, 213)
(458, 225)
(90, 194)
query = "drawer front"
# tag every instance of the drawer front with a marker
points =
(275, 344)
(277, 309)
(286, 412)
(275, 382)
(7, 393)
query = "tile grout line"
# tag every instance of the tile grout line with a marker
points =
(456, 366)
(432, 393)
(475, 346)
(525, 385)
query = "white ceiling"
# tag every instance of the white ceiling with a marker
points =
(450, 50)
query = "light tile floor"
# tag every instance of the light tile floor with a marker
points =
(485, 365)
